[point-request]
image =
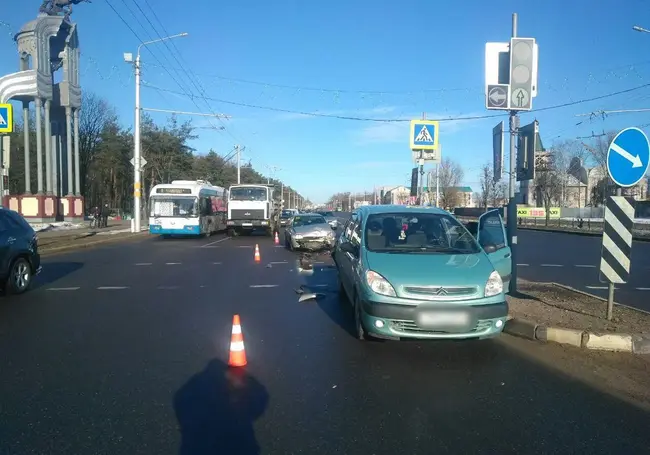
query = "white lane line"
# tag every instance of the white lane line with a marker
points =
(279, 246)
(263, 286)
(320, 262)
(279, 262)
(642, 289)
(551, 265)
(143, 263)
(318, 286)
(600, 288)
(586, 266)
(172, 263)
(167, 287)
(216, 241)
(64, 289)
(217, 263)
(523, 265)
(244, 246)
(111, 288)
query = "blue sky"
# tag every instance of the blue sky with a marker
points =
(362, 58)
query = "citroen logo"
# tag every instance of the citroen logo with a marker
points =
(441, 291)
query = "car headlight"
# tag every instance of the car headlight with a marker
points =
(379, 284)
(494, 285)
(297, 236)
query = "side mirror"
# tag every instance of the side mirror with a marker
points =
(489, 248)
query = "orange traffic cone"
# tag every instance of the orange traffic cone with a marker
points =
(237, 351)
(277, 238)
(257, 253)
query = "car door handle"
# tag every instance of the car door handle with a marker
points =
(507, 255)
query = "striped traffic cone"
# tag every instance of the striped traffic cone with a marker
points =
(237, 351)
(257, 253)
(277, 238)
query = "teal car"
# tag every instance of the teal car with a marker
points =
(417, 272)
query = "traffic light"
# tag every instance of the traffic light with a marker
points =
(522, 69)
(414, 182)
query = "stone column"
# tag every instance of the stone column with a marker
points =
(68, 131)
(77, 169)
(56, 144)
(28, 167)
(48, 148)
(39, 145)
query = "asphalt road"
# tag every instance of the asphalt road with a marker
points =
(122, 349)
(574, 260)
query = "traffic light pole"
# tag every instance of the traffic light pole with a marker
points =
(512, 203)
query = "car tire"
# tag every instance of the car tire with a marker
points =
(360, 332)
(20, 277)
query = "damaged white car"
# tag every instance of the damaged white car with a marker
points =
(309, 231)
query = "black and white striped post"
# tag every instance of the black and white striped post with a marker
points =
(617, 244)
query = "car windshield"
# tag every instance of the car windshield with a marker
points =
(308, 220)
(418, 232)
(286, 214)
(174, 207)
(248, 194)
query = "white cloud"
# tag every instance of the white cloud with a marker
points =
(397, 132)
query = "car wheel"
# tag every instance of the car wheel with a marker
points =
(360, 331)
(20, 277)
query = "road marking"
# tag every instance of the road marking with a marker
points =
(552, 265)
(111, 288)
(279, 262)
(279, 246)
(63, 289)
(244, 246)
(216, 241)
(172, 263)
(643, 289)
(600, 288)
(167, 287)
(263, 286)
(319, 285)
(523, 265)
(143, 263)
(586, 266)
(217, 263)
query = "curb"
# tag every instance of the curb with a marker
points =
(613, 342)
(81, 246)
(635, 237)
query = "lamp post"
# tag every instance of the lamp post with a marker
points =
(137, 158)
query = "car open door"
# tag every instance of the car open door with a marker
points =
(492, 237)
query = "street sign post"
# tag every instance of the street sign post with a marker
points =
(424, 134)
(6, 119)
(628, 157)
(497, 97)
(497, 152)
(616, 253)
(526, 151)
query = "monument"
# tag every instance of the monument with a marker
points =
(46, 45)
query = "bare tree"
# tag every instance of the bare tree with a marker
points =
(500, 194)
(95, 116)
(488, 186)
(548, 183)
(450, 174)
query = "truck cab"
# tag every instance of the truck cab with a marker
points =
(252, 208)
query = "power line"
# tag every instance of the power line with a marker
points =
(401, 120)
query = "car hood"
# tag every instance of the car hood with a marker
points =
(418, 269)
(314, 229)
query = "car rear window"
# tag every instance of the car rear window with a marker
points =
(308, 220)
(418, 232)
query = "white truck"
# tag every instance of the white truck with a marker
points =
(251, 208)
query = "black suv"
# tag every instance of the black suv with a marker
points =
(19, 258)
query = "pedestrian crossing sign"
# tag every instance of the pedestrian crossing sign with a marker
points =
(424, 135)
(6, 119)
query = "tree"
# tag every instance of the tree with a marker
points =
(450, 174)
(500, 194)
(548, 181)
(488, 187)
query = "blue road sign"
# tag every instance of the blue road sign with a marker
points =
(424, 135)
(628, 157)
(6, 118)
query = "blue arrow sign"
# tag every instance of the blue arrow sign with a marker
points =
(628, 157)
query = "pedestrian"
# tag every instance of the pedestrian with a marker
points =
(105, 211)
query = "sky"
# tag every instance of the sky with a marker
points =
(354, 63)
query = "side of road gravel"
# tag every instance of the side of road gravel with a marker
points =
(550, 312)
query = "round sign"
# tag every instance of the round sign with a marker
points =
(520, 98)
(628, 157)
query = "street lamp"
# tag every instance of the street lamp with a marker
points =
(137, 159)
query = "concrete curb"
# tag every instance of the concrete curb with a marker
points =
(569, 288)
(80, 246)
(636, 237)
(616, 342)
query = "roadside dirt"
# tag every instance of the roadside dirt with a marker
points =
(552, 305)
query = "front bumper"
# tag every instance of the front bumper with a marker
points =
(192, 229)
(248, 223)
(313, 243)
(434, 321)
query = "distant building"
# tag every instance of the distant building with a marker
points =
(465, 197)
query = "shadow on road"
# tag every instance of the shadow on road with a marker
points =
(216, 409)
(54, 271)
